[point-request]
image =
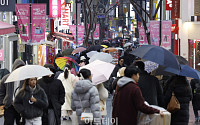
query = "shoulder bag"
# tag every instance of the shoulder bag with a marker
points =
(174, 104)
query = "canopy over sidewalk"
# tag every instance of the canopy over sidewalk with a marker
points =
(6, 28)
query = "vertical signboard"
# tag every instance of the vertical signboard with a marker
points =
(1, 55)
(22, 12)
(96, 32)
(55, 8)
(65, 15)
(166, 34)
(168, 4)
(80, 34)
(38, 23)
(7, 5)
(196, 7)
(142, 36)
(175, 9)
(155, 32)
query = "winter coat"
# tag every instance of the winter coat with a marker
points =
(103, 95)
(86, 96)
(55, 93)
(115, 70)
(182, 91)
(151, 89)
(7, 90)
(128, 101)
(68, 84)
(27, 110)
(195, 85)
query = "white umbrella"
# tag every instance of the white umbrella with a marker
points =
(91, 53)
(127, 44)
(100, 70)
(28, 71)
(101, 56)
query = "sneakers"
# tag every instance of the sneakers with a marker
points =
(66, 118)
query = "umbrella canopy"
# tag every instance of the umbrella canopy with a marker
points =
(28, 71)
(185, 71)
(158, 55)
(67, 52)
(127, 44)
(6, 28)
(150, 66)
(110, 50)
(94, 48)
(61, 62)
(100, 70)
(77, 50)
(91, 53)
(101, 56)
(182, 60)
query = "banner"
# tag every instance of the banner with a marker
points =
(7, 5)
(175, 9)
(1, 55)
(96, 32)
(155, 32)
(38, 23)
(142, 36)
(168, 4)
(55, 8)
(196, 8)
(65, 15)
(23, 19)
(166, 34)
(80, 35)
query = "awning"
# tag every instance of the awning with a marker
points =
(63, 35)
(64, 39)
(6, 28)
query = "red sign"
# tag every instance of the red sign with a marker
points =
(65, 17)
(1, 55)
(55, 8)
(175, 9)
(168, 4)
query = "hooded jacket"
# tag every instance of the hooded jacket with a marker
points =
(27, 110)
(7, 89)
(86, 96)
(128, 101)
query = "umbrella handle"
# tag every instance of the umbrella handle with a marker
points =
(30, 102)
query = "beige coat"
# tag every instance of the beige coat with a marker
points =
(103, 95)
(68, 84)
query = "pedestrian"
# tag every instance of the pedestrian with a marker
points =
(118, 66)
(128, 99)
(150, 86)
(82, 61)
(181, 88)
(68, 81)
(85, 97)
(30, 102)
(7, 95)
(195, 85)
(56, 97)
(120, 74)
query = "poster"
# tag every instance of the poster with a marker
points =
(23, 19)
(38, 23)
(142, 36)
(80, 35)
(55, 8)
(155, 32)
(166, 34)
(96, 32)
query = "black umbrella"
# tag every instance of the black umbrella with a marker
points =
(94, 48)
(182, 60)
(67, 52)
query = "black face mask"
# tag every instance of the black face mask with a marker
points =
(48, 79)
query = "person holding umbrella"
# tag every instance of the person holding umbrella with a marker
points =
(30, 102)
(7, 95)
(56, 97)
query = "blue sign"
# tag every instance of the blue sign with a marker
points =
(101, 16)
(7, 5)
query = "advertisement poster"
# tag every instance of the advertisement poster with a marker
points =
(96, 32)
(80, 35)
(155, 32)
(1, 55)
(22, 12)
(166, 34)
(142, 36)
(55, 8)
(38, 23)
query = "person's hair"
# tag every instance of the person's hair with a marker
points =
(140, 65)
(86, 73)
(120, 58)
(24, 86)
(66, 72)
(130, 71)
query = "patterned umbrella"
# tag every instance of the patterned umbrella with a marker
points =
(77, 50)
(62, 61)
(150, 66)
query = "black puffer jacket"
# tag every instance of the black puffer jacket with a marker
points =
(27, 110)
(183, 93)
(195, 84)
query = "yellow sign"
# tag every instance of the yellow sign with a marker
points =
(132, 21)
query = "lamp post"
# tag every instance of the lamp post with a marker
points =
(160, 22)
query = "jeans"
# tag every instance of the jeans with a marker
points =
(34, 121)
